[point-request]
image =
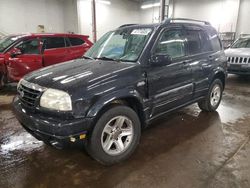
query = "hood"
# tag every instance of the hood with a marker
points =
(238, 52)
(79, 73)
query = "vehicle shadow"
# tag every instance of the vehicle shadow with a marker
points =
(9, 89)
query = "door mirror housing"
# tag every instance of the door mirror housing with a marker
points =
(15, 52)
(161, 60)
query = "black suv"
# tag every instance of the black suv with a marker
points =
(130, 77)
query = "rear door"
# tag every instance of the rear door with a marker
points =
(199, 51)
(54, 50)
(29, 60)
(78, 47)
(171, 85)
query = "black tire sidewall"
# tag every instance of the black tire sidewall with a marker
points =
(2, 83)
(94, 146)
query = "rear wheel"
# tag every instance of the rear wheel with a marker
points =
(212, 100)
(115, 135)
(2, 81)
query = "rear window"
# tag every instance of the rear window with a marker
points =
(76, 41)
(198, 42)
(194, 42)
(54, 42)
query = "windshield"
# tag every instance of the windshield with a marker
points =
(242, 43)
(6, 42)
(125, 44)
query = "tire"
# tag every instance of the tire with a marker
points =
(109, 134)
(211, 102)
(2, 81)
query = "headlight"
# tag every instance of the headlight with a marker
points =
(19, 83)
(56, 100)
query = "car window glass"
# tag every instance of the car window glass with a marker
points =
(215, 42)
(76, 41)
(198, 42)
(29, 47)
(116, 46)
(193, 41)
(242, 43)
(205, 43)
(67, 42)
(171, 43)
(54, 42)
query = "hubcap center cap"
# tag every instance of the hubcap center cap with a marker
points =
(116, 134)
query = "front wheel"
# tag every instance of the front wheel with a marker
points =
(211, 102)
(115, 135)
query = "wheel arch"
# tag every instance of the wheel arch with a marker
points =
(131, 99)
(219, 74)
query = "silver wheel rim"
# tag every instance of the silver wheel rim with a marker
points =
(117, 135)
(215, 95)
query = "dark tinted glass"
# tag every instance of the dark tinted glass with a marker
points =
(215, 42)
(171, 43)
(76, 41)
(29, 47)
(67, 42)
(54, 42)
(194, 42)
(205, 43)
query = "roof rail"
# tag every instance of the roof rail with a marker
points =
(125, 25)
(169, 20)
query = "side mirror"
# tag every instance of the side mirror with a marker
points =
(15, 52)
(161, 60)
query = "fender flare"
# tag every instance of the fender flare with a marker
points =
(108, 99)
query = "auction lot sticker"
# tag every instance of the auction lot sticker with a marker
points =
(140, 31)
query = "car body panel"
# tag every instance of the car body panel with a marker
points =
(16, 67)
(238, 60)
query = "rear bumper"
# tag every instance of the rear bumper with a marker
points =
(49, 129)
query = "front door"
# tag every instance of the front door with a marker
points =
(29, 60)
(171, 85)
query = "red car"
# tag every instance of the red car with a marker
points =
(21, 54)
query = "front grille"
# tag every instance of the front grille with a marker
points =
(238, 60)
(29, 93)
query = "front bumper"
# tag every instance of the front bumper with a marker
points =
(47, 128)
(240, 69)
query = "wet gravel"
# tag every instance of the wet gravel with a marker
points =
(187, 148)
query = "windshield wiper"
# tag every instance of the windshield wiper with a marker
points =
(106, 58)
(87, 57)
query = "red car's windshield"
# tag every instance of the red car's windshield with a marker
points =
(7, 41)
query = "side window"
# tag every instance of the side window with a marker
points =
(54, 42)
(205, 43)
(171, 43)
(194, 42)
(215, 42)
(29, 47)
(67, 42)
(76, 41)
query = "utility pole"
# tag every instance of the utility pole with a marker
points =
(162, 13)
(94, 20)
